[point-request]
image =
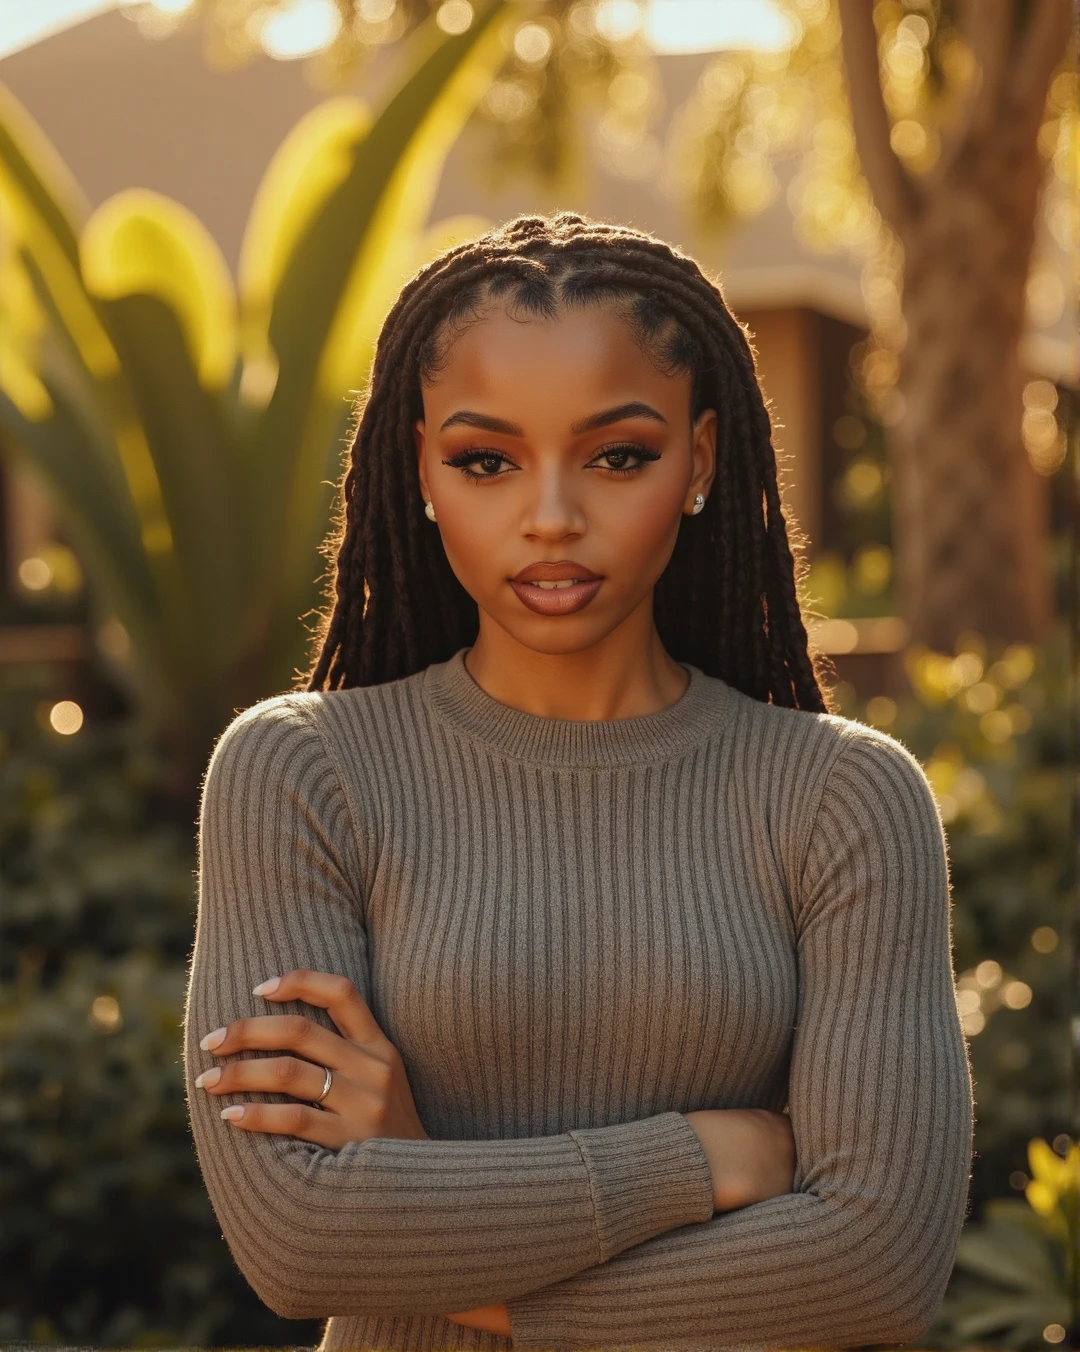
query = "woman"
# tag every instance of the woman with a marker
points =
(615, 1001)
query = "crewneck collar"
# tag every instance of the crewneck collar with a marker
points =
(458, 700)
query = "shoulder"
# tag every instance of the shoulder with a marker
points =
(335, 731)
(260, 729)
(295, 714)
(270, 750)
(832, 748)
(877, 812)
(872, 767)
(813, 776)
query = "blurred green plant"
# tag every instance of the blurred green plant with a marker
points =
(1013, 1277)
(108, 1236)
(188, 432)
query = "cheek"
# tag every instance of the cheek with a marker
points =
(643, 525)
(475, 538)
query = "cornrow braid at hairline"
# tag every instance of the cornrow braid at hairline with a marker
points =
(727, 602)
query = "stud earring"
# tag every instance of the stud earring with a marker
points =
(429, 511)
(699, 502)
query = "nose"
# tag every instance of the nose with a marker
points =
(553, 509)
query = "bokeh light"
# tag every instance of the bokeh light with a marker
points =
(454, 16)
(105, 1014)
(66, 717)
(301, 29)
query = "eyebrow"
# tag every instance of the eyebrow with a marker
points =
(634, 409)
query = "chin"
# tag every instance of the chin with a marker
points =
(555, 635)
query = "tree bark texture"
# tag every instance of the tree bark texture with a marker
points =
(969, 511)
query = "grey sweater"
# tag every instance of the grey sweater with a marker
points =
(575, 932)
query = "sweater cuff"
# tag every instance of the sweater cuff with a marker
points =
(647, 1177)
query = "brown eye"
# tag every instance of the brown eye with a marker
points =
(490, 459)
(618, 453)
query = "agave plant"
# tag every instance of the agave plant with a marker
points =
(189, 430)
(1016, 1269)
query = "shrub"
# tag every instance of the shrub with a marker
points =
(108, 1233)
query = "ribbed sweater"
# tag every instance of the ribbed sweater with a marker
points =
(574, 932)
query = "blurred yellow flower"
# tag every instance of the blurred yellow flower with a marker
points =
(1055, 1183)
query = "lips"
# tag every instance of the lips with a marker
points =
(558, 588)
(565, 570)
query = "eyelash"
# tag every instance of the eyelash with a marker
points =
(469, 456)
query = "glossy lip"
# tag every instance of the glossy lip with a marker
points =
(561, 571)
(557, 601)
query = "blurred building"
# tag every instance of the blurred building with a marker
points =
(124, 111)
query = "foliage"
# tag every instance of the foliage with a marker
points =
(187, 431)
(108, 1234)
(1014, 1279)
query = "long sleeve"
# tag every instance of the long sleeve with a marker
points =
(383, 1226)
(880, 1103)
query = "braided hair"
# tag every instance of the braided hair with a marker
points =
(726, 602)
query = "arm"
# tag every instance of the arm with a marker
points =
(880, 1104)
(383, 1226)
(751, 1153)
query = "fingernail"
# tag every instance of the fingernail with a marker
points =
(212, 1040)
(268, 987)
(210, 1076)
(235, 1111)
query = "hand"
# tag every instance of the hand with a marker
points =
(751, 1152)
(489, 1318)
(370, 1094)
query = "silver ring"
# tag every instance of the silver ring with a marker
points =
(326, 1085)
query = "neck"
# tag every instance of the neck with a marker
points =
(625, 675)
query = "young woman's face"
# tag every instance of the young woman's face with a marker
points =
(558, 440)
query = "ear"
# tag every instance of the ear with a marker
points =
(421, 441)
(703, 451)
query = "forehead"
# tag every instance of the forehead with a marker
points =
(579, 348)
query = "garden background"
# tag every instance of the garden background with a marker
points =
(206, 207)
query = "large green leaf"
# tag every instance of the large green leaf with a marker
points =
(142, 243)
(195, 464)
(97, 400)
(72, 448)
(41, 176)
(310, 164)
(1008, 1255)
(43, 206)
(1027, 1315)
(165, 295)
(42, 209)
